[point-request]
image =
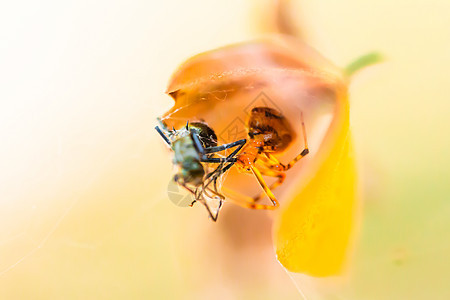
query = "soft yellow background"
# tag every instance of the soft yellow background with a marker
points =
(83, 176)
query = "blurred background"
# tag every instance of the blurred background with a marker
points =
(84, 212)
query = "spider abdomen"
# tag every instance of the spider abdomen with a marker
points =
(271, 127)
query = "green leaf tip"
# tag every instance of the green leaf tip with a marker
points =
(362, 62)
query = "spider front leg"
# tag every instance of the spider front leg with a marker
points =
(274, 173)
(264, 185)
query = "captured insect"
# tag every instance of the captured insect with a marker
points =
(193, 146)
(269, 133)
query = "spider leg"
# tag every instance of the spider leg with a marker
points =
(281, 176)
(245, 201)
(271, 168)
(302, 154)
(264, 186)
(267, 158)
(249, 202)
(282, 167)
(238, 198)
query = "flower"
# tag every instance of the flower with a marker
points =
(313, 227)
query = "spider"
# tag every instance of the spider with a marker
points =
(269, 133)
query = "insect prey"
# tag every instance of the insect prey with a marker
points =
(194, 146)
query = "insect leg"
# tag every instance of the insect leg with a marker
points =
(205, 189)
(201, 150)
(214, 175)
(226, 146)
(191, 191)
(198, 196)
(198, 144)
(161, 123)
(229, 158)
(213, 217)
(218, 171)
(165, 138)
(217, 160)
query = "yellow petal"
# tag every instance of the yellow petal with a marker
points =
(312, 232)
